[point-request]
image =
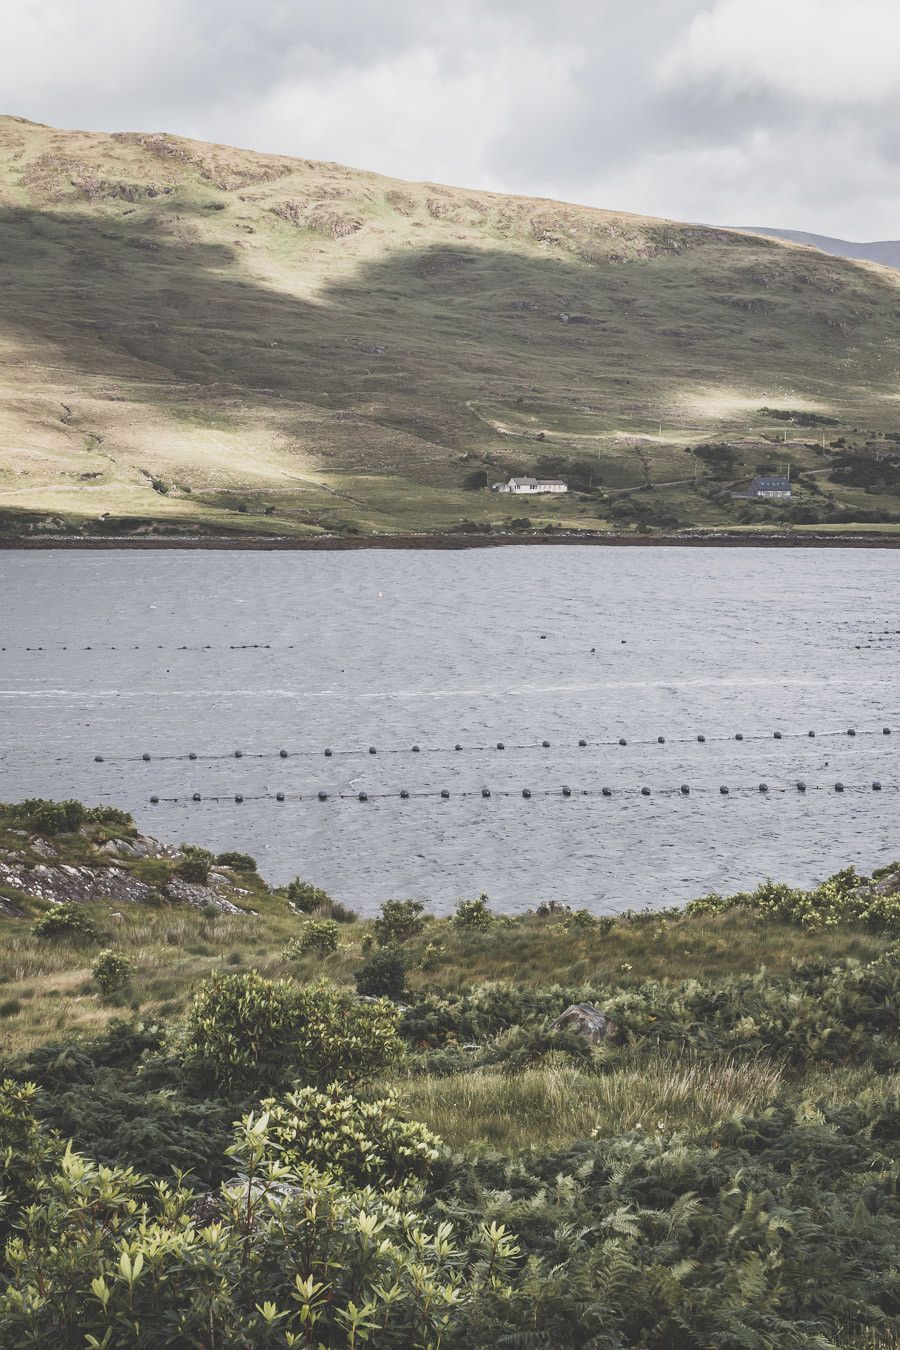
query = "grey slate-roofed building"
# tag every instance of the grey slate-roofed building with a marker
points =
(775, 486)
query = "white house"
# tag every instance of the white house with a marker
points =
(529, 487)
(770, 486)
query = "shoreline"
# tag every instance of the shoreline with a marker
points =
(337, 543)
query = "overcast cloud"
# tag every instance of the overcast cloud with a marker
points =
(772, 112)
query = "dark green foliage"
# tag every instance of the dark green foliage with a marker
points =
(719, 457)
(68, 921)
(112, 971)
(524, 1048)
(47, 817)
(476, 480)
(245, 1035)
(474, 914)
(383, 974)
(398, 921)
(307, 898)
(109, 815)
(194, 866)
(238, 862)
(800, 419)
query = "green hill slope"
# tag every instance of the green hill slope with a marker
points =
(195, 337)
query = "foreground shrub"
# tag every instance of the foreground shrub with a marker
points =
(318, 937)
(307, 898)
(398, 921)
(245, 1034)
(104, 1259)
(67, 920)
(383, 974)
(112, 971)
(353, 1140)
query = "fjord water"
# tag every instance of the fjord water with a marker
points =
(303, 651)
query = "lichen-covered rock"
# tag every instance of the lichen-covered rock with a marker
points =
(583, 1019)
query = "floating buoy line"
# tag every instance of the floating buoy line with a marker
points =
(403, 794)
(584, 742)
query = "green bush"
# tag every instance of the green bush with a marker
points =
(194, 865)
(398, 921)
(318, 937)
(238, 862)
(845, 898)
(290, 1258)
(67, 920)
(48, 817)
(112, 971)
(364, 1142)
(306, 897)
(474, 914)
(245, 1034)
(383, 974)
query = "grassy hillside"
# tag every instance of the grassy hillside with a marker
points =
(193, 336)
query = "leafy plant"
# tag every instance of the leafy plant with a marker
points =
(67, 920)
(238, 862)
(398, 921)
(383, 974)
(112, 971)
(306, 897)
(194, 865)
(318, 937)
(474, 914)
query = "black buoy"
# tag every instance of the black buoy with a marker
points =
(738, 737)
(323, 796)
(607, 792)
(876, 786)
(763, 787)
(98, 759)
(567, 792)
(838, 787)
(545, 744)
(372, 750)
(776, 735)
(279, 796)
(582, 743)
(457, 746)
(526, 792)
(622, 740)
(444, 793)
(885, 731)
(701, 739)
(328, 754)
(415, 750)
(851, 731)
(500, 745)
(485, 792)
(363, 797)
(801, 786)
(282, 754)
(645, 792)
(146, 758)
(192, 755)
(403, 793)
(685, 790)
(660, 740)
(238, 797)
(810, 733)
(724, 791)
(153, 801)
(239, 754)
(196, 797)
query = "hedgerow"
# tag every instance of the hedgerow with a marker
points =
(845, 898)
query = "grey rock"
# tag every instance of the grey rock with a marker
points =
(42, 848)
(583, 1019)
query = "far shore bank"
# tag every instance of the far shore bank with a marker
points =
(337, 543)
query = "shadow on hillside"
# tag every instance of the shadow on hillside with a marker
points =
(411, 337)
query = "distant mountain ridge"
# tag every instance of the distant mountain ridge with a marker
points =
(884, 251)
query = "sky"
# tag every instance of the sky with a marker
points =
(738, 112)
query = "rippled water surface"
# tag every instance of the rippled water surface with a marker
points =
(303, 651)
